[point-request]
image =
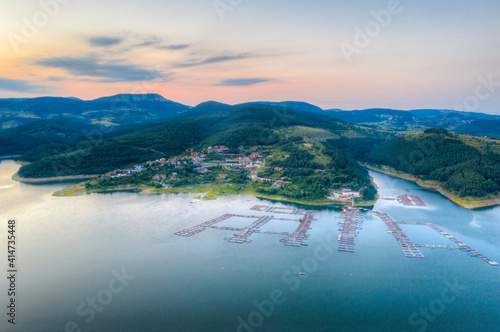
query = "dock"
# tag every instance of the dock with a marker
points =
(411, 223)
(243, 235)
(296, 239)
(280, 210)
(350, 229)
(462, 246)
(411, 249)
(410, 200)
(201, 227)
(436, 246)
(408, 248)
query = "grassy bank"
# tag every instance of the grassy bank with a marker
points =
(205, 191)
(57, 179)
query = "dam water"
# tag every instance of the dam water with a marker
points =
(113, 263)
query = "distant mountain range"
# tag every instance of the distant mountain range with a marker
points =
(419, 120)
(478, 124)
(114, 110)
(140, 109)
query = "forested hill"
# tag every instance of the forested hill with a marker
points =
(437, 155)
(490, 128)
(244, 126)
(113, 110)
(19, 140)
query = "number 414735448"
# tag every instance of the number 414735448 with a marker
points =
(11, 249)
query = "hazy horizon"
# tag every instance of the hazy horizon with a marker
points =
(250, 101)
(348, 55)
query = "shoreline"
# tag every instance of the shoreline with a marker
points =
(79, 189)
(58, 179)
(13, 157)
(319, 204)
(467, 204)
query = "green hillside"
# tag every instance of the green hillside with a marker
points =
(312, 168)
(490, 128)
(109, 111)
(101, 156)
(19, 140)
(310, 165)
(462, 169)
(248, 125)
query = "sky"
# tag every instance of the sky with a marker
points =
(335, 54)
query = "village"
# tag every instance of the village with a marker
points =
(202, 163)
(216, 167)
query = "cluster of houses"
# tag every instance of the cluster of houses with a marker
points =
(276, 184)
(202, 170)
(240, 161)
(250, 163)
(160, 177)
(195, 158)
(344, 194)
(125, 172)
(218, 149)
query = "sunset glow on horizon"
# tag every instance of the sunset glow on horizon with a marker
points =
(348, 54)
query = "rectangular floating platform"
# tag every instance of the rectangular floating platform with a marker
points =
(282, 210)
(200, 228)
(463, 246)
(296, 239)
(410, 223)
(410, 200)
(243, 236)
(409, 249)
(350, 227)
(434, 246)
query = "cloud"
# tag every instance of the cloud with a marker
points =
(243, 81)
(130, 42)
(174, 47)
(144, 44)
(216, 59)
(147, 41)
(7, 84)
(55, 78)
(107, 71)
(105, 41)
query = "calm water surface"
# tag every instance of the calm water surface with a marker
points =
(71, 249)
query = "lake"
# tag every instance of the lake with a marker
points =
(113, 263)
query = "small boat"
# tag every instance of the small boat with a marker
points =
(302, 273)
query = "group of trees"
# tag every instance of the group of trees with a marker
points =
(311, 180)
(100, 156)
(438, 156)
(359, 148)
(481, 128)
(19, 140)
(87, 159)
(244, 135)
